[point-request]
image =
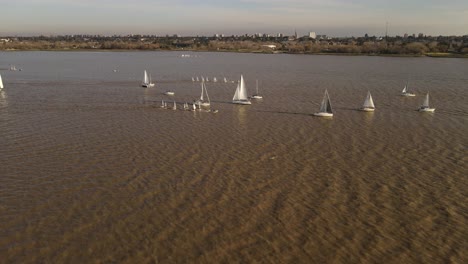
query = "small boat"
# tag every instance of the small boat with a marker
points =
(1, 82)
(406, 92)
(186, 106)
(207, 79)
(425, 106)
(368, 105)
(193, 79)
(169, 93)
(257, 95)
(325, 107)
(163, 104)
(240, 96)
(13, 68)
(215, 80)
(147, 81)
(202, 101)
(202, 79)
(174, 107)
(198, 79)
(194, 107)
(225, 80)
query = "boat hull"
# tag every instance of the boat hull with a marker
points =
(242, 102)
(169, 93)
(430, 110)
(367, 109)
(408, 94)
(323, 114)
(257, 97)
(147, 85)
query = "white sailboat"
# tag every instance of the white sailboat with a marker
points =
(169, 93)
(193, 79)
(325, 107)
(406, 92)
(198, 79)
(174, 107)
(425, 106)
(215, 80)
(225, 80)
(240, 97)
(1, 82)
(368, 105)
(147, 81)
(202, 101)
(257, 95)
(13, 68)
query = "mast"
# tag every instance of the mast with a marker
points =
(257, 86)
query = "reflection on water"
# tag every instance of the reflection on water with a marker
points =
(94, 171)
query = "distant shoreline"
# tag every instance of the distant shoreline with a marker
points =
(431, 55)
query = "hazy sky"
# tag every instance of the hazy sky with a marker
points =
(206, 17)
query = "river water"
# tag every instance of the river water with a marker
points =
(93, 171)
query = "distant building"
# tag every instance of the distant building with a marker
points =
(405, 35)
(312, 35)
(420, 35)
(280, 35)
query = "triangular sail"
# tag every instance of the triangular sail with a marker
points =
(325, 107)
(201, 96)
(1, 82)
(145, 78)
(426, 101)
(369, 103)
(242, 90)
(236, 94)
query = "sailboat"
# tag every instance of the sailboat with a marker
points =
(163, 104)
(406, 92)
(175, 106)
(325, 107)
(13, 68)
(193, 79)
(1, 82)
(240, 97)
(257, 95)
(225, 80)
(147, 81)
(215, 80)
(368, 105)
(202, 101)
(425, 106)
(198, 79)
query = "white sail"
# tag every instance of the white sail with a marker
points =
(214, 79)
(368, 103)
(240, 97)
(405, 89)
(1, 82)
(426, 101)
(201, 96)
(225, 80)
(198, 79)
(325, 107)
(193, 79)
(236, 94)
(242, 90)
(175, 106)
(145, 78)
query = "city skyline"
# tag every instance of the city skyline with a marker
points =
(208, 17)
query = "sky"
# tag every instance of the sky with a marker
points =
(337, 18)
